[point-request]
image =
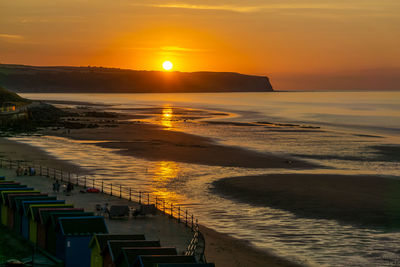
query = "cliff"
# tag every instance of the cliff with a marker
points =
(21, 78)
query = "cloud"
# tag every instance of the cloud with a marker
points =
(11, 37)
(269, 7)
(181, 49)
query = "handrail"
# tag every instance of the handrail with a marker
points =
(197, 244)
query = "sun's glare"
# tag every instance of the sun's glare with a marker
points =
(167, 65)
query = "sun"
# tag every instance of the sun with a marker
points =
(167, 65)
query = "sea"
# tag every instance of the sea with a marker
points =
(346, 132)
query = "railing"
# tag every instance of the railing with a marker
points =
(197, 244)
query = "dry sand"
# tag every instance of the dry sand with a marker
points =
(366, 200)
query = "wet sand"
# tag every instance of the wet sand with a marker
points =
(152, 142)
(364, 200)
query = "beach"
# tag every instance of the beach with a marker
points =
(221, 249)
(286, 192)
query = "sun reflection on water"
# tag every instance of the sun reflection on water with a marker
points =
(166, 117)
(165, 174)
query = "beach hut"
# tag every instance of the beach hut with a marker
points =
(10, 208)
(99, 243)
(114, 248)
(44, 215)
(18, 211)
(33, 215)
(129, 255)
(73, 238)
(25, 207)
(153, 260)
(4, 209)
(52, 226)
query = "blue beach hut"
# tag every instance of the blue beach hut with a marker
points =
(43, 215)
(18, 211)
(25, 208)
(73, 238)
(52, 226)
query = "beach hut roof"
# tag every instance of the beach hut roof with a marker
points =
(46, 213)
(33, 210)
(52, 220)
(185, 265)
(150, 261)
(129, 254)
(82, 225)
(10, 197)
(114, 247)
(5, 194)
(9, 183)
(100, 240)
(18, 200)
(27, 203)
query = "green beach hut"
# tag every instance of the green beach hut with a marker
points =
(4, 208)
(129, 255)
(33, 215)
(114, 249)
(99, 243)
(11, 210)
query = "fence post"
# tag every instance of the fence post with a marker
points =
(111, 189)
(163, 205)
(186, 217)
(172, 213)
(120, 191)
(77, 180)
(93, 183)
(61, 175)
(54, 171)
(156, 200)
(48, 172)
(69, 177)
(192, 222)
(130, 194)
(148, 198)
(102, 186)
(85, 182)
(179, 214)
(140, 197)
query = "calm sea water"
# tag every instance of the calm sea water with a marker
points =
(355, 131)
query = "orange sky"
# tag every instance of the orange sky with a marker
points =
(299, 44)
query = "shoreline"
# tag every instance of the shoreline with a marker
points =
(219, 247)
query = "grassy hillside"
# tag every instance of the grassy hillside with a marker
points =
(7, 96)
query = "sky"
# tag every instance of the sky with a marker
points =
(298, 44)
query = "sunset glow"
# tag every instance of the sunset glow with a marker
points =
(356, 39)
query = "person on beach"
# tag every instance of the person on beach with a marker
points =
(56, 187)
(105, 210)
(70, 187)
